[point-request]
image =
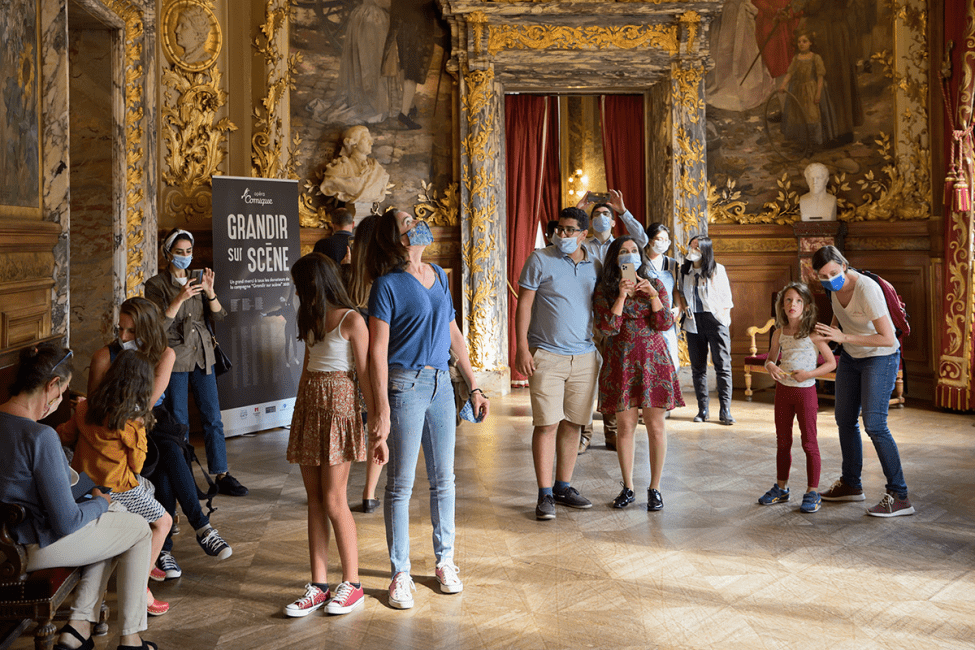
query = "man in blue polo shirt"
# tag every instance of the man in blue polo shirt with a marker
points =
(555, 351)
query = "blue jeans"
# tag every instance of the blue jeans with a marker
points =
(865, 385)
(208, 402)
(174, 482)
(421, 412)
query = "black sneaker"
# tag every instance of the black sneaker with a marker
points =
(654, 500)
(625, 497)
(370, 505)
(573, 499)
(230, 486)
(545, 508)
(213, 544)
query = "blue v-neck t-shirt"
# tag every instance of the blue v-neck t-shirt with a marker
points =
(419, 318)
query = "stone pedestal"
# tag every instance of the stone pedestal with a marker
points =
(812, 236)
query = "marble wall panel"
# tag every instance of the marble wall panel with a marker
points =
(93, 208)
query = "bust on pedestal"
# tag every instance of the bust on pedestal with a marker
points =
(817, 205)
(354, 177)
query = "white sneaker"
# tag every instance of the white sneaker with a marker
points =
(400, 589)
(447, 575)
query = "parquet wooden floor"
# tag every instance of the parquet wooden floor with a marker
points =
(712, 570)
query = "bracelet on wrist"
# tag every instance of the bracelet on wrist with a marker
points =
(478, 390)
(212, 299)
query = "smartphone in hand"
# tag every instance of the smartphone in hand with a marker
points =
(597, 197)
(628, 270)
(197, 276)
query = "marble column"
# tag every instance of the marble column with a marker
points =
(483, 223)
(690, 182)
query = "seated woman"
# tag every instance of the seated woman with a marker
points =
(108, 433)
(95, 534)
(140, 327)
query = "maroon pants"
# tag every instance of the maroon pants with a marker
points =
(802, 404)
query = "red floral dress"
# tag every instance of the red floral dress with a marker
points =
(637, 368)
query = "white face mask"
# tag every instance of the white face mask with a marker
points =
(660, 247)
(693, 255)
(130, 345)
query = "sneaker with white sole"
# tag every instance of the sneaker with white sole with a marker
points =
(312, 600)
(840, 491)
(347, 598)
(449, 580)
(891, 506)
(167, 564)
(400, 591)
(213, 544)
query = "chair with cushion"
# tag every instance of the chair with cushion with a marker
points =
(35, 596)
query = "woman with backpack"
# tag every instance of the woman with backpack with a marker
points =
(865, 377)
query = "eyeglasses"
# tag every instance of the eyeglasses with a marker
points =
(566, 230)
(66, 357)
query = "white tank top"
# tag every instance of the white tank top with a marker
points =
(331, 354)
(797, 354)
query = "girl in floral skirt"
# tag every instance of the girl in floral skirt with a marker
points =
(327, 434)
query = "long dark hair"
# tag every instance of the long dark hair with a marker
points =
(318, 283)
(148, 322)
(609, 279)
(808, 319)
(386, 251)
(359, 282)
(39, 364)
(708, 265)
(124, 393)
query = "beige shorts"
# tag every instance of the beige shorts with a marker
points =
(563, 387)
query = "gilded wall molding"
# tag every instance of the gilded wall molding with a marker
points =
(137, 227)
(556, 37)
(270, 143)
(195, 137)
(479, 149)
(690, 163)
(438, 210)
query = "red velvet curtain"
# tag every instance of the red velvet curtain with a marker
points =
(531, 138)
(956, 367)
(623, 151)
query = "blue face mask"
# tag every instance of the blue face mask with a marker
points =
(568, 245)
(182, 261)
(630, 258)
(601, 223)
(835, 283)
(420, 234)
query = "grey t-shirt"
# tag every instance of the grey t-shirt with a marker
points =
(562, 312)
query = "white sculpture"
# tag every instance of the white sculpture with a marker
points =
(354, 177)
(817, 205)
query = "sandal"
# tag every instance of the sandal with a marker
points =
(86, 644)
(146, 645)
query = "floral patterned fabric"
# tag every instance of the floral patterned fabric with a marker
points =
(327, 423)
(637, 368)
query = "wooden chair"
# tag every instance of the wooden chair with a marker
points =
(755, 362)
(35, 596)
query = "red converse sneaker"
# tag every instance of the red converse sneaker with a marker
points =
(347, 598)
(312, 600)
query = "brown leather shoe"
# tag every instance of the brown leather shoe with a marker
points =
(611, 441)
(583, 445)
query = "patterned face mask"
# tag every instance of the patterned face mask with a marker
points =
(420, 234)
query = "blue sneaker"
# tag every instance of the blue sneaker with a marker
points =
(811, 502)
(775, 495)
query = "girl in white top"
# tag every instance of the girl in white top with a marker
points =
(327, 433)
(796, 346)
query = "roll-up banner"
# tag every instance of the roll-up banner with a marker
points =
(255, 242)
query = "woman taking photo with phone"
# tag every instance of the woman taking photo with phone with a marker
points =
(633, 311)
(184, 302)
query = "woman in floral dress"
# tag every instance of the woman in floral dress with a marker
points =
(637, 372)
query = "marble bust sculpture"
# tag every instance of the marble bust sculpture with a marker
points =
(354, 177)
(817, 205)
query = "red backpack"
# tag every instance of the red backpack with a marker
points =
(895, 305)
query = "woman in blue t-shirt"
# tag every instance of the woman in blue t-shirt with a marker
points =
(411, 333)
